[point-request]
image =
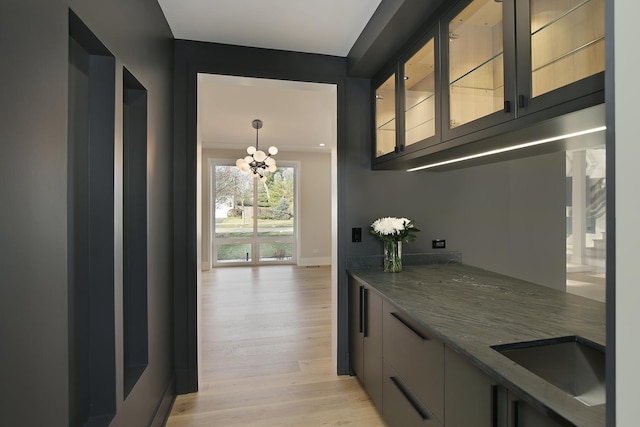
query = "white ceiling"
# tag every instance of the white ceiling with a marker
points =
(296, 116)
(327, 27)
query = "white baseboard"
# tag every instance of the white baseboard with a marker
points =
(306, 262)
(302, 262)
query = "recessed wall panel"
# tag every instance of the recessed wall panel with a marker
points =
(135, 308)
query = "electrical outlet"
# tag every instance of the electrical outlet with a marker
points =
(356, 234)
(438, 244)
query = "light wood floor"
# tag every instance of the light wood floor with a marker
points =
(587, 284)
(266, 354)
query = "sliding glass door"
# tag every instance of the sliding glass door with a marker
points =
(254, 222)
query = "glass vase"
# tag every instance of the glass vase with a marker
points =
(392, 256)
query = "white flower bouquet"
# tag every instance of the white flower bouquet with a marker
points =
(393, 231)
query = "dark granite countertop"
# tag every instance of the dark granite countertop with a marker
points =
(471, 309)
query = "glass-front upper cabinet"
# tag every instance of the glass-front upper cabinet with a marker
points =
(563, 48)
(485, 63)
(407, 103)
(385, 117)
(421, 97)
(553, 50)
(479, 65)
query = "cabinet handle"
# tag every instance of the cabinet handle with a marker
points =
(422, 336)
(522, 101)
(507, 106)
(360, 309)
(365, 312)
(410, 398)
(494, 406)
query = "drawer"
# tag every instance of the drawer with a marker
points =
(416, 356)
(400, 407)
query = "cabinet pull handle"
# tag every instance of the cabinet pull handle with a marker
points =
(360, 309)
(494, 406)
(507, 106)
(515, 413)
(365, 312)
(522, 101)
(407, 394)
(422, 336)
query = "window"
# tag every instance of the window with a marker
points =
(253, 222)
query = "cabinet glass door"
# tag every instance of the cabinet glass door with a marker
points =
(476, 64)
(567, 42)
(385, 106)
(420, 95)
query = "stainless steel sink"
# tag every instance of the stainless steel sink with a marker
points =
(573, 364)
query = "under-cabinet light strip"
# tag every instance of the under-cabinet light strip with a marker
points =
(511, 148)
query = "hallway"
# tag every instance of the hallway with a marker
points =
(266, 354)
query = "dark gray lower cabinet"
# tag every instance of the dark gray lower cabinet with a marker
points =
(417, 359)
(400, 406)
(522, 414)
(472, 398)
(356, 346)
(365, 327)
(414, 379)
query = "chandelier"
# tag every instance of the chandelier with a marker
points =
(258, 162)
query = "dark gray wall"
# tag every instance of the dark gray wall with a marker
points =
(34, 370)
(506, 217)
(191, 58)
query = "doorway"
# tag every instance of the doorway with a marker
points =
(586, 222)
(300, 118)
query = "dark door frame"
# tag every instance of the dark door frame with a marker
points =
(192, 58)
